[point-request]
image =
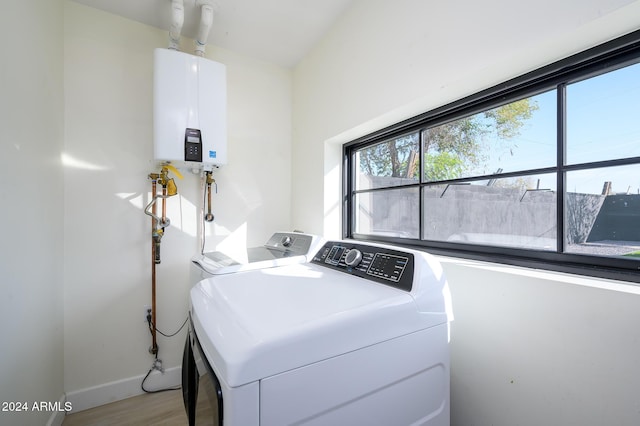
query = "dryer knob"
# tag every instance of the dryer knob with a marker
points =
(353, 258)
(286, 241)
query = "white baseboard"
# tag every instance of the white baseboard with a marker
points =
(57, 417)
(106, 393)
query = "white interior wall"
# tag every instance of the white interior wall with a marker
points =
(31, 200)
(537, 348)
(527, 348)
(108, 149)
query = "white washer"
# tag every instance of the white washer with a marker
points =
(359, 335)
(283, 248)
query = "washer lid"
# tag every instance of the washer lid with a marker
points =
(264, 322)
(218, 263)
(282, 248)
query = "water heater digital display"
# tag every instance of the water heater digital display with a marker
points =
(193, 145)
(190, 110)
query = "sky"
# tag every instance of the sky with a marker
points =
(603, 123)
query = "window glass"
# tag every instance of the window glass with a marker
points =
(603, 117)
(553, 170)
(390, 213)
(520, 135)
(514, 212)
(390, 163)
(603, 211)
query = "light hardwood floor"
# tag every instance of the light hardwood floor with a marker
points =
(164, 408)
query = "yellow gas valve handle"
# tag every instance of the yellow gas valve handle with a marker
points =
(174, 170)
(172, 189)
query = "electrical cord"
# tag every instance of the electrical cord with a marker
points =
(156, 390)
(152, 326)
(154, 366)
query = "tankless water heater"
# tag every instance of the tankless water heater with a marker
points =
(190, 110)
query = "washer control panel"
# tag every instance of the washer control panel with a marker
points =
(297, 244)
(380, 264)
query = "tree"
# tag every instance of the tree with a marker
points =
(389, 158)
(450, 149)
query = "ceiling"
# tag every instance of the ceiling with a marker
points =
(277, 31)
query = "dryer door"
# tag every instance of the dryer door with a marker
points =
(189, 381)
(201, 389)
(209, 393)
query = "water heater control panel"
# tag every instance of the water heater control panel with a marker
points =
(193, 145)
(375, 263)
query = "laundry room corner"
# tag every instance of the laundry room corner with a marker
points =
(333, 212)
(108, 156)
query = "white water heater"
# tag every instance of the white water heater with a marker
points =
(189, 111)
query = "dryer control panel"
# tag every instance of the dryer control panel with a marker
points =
(379, 264)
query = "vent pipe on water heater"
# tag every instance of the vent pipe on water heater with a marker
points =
(177, 19)
(206, 19)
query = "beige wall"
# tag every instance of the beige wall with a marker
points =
(31, 202)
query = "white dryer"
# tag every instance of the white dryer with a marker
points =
(282, 248)
(357, 336)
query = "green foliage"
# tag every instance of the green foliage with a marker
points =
(508, 119)
(450, 149)
(442, 166)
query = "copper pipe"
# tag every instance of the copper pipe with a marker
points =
(154, 345)
(209, 216)
(208, 198)
(164, 203)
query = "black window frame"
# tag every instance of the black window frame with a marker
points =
(606, 57)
